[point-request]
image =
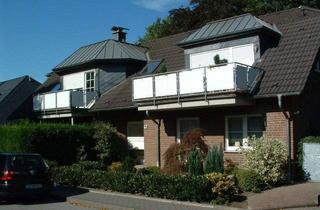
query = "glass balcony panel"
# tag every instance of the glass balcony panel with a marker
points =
(143, 88)
(220, 78)
(166, 85)
(191, 81)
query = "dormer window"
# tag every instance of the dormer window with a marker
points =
(90, 81)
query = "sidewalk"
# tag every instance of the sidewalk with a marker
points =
(292, 196)
(122, 201)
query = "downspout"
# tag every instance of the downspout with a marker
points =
(279, 96)
(158, 123)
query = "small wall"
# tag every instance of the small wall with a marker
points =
(311, 160)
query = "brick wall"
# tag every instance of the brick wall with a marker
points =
(212, 120)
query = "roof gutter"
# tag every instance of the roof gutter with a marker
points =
(277, 95)
(113, 109)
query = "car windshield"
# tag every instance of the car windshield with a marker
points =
(26, 162)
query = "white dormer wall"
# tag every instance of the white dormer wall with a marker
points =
(75, 80)
(245, 51)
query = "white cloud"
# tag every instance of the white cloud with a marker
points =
(158, 5)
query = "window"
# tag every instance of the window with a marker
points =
(135, 128)
(184, 125)
(240, 128)
(90, 80)
(135, 134)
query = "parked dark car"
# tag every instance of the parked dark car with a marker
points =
(24, 174)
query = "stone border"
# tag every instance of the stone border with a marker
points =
(124, 201)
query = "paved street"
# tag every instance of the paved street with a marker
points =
(34, 203)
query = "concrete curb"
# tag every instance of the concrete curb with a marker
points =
(100, 199)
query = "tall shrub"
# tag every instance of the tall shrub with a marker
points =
(214, 160)
(110, 145)
(177, 154)
(268, 158)
(194, 163)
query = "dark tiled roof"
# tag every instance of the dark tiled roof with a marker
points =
(166, 48)
(13, 93)
(8, 86)
(290, 15)
(288, 65)
(106, 50)
(230, 26)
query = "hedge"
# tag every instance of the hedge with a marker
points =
(184, 188)
(59, 142)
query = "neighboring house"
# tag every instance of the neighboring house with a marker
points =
(16, 99)
(235, 78)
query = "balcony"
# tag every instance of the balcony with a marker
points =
(194, 85)
(63, 100)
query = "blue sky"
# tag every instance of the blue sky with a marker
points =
(35, 35)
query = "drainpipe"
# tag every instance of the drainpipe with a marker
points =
(280, 96)
(158, 123)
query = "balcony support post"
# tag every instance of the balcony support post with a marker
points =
(205, 83)
(154, 90)
(235, 77)
(178, 86)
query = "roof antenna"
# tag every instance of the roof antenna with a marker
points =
(302, 10)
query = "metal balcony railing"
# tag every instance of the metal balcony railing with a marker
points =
(65, 99)
(230, 77)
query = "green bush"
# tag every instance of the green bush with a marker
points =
(64, 143)
(214, 160)
(92, 165)
(268, 158)
(249, 180)
(55, 142)
(194, 163)
(149, 170)
(186, 188)
(110, 145)
(128, 164)
(223, 187)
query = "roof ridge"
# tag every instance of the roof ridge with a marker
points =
(228, 18)
(286, 10)
(14, 79)
(311, 8)
(102, 48)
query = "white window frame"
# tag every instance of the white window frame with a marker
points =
(245, 137)
(85, 80)
(136, 141)
(178, 126)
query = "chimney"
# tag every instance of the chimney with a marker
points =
(118, 33)
(302, 10)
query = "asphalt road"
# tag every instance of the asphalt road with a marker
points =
(34, 203)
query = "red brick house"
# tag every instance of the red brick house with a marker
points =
(235, 78)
